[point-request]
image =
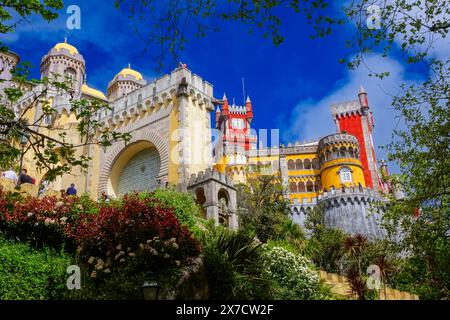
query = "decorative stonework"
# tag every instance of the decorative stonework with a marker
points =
(150, 136)
(213, 187)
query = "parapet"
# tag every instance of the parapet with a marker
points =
(346, 108)
(211, 174)
(337, 138)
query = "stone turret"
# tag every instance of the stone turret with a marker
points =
(215, 192)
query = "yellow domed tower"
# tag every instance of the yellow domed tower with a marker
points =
(126, 81)
(67, 63)
(340, 164)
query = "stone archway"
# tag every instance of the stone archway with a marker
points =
(143, 146)
(223, 200)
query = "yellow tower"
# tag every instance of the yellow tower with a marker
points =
(340, 164)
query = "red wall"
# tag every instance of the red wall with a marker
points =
(352, 125)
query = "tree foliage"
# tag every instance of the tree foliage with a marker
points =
(54, 151)
(263, 210)
(422, 150)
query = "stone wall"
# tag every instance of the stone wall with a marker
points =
(354, 211)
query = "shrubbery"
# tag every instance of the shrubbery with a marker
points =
(27, 273)
(122, 239)
(292, 273)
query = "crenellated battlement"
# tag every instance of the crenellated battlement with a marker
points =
(350, 194)
(345, 108)
(156, 94)
(337, 138)
(208, 174)
(237, 109)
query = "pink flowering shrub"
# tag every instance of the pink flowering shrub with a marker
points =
(137, 230)
(134, 231)
(41, 221)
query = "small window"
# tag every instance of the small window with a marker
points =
(70, 75)
(346, 175)
(48, 120)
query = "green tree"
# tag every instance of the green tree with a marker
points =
(54, 153)
(262, 209)
(422, 150)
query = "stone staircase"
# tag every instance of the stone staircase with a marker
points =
(341, 287)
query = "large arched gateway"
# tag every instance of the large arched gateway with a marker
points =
(140, 173)
(136, 168)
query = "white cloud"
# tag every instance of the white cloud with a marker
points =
(312, 119)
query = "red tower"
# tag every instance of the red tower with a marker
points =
(234, 123)
(355, 118)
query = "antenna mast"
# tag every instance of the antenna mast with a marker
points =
(243, 90)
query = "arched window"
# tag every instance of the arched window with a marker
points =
(328, 155)
(309, 186)
(335, 153)
(307, 164)
(342, 152)
(345, 174)
(223, 208)
(70, 75)
(351, 154)
(293, 187)
(315, 164)
(299, 164)
(291, 165)
(200, 199)
(301, 187)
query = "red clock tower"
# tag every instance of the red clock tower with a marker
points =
(234, 124)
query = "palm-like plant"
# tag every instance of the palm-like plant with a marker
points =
(239, 249)
(357, 283)
(385, 267)
(231, 264)
(354, 246)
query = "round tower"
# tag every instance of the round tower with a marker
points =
(126, 81)
(340, 164)
(64, 63)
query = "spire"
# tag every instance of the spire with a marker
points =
(65, 39)
(249, 109)
(217, 116)
(129, 65)
(362, 90)
(225, 110)
(363, 101)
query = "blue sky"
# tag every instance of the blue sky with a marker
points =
(291, 86)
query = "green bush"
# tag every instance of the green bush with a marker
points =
(329, 244)
(186, 210)
(232, 267)
(27, 273)
(292, 273)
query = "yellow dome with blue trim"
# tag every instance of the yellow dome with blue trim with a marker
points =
(129, 72)
(65, 45)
